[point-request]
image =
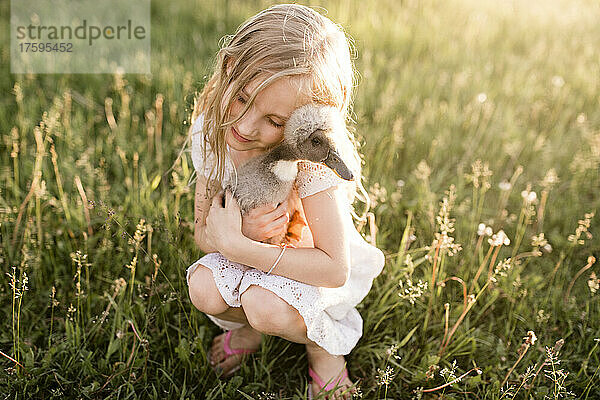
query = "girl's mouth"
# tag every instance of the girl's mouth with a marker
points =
(238, 137)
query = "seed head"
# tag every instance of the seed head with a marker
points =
(504, 186)
(482, 229)
(423, 171)
(530, 338)
(499, 239)
(385, 377)
(539, 240)
(529, 197)
(550, 179)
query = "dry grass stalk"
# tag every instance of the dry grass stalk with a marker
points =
(491, 266)
(590, 261)
(446, 317)
(477, 246)
(66, 116)
(110, 117)
(453, 381)
(86, 212)
(557, 266)
(470, 302)
(135, 162)
(13, 360)
(37, 177)
(433, 276)
(447, 310)
(529, 341)
(22, 210)
(435, 261)
(480, 269)
(63, 200)
(539, 223)
(158, 104)
(149, 118)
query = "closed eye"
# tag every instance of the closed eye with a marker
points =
(241, 100)
(275, 124)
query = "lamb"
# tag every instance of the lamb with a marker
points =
(310, 134)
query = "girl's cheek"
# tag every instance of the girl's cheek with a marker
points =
(277, 138)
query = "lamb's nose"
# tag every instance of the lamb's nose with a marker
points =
(334, 162)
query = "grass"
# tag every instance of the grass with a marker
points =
(470, 112)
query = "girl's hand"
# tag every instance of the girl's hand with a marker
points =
(266, 221)
(224, 224)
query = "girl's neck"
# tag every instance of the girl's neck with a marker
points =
(240, 157)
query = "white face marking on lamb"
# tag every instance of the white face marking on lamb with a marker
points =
(285, 170)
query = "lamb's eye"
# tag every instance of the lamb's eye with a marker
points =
(316, 141)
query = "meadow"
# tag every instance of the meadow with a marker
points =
(480, 127)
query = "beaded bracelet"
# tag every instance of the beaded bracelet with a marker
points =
(283, 247)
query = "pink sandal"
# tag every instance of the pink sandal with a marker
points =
(229, 352)
(316, 378)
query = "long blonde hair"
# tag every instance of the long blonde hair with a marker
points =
(285, 40)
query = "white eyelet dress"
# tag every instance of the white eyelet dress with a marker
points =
(330, 315)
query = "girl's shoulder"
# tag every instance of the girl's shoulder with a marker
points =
(314, 177)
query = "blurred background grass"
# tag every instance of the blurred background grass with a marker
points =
(443, 84)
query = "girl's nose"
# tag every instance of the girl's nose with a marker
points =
(247, 125)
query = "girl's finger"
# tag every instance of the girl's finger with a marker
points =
(279, 211)
(277, 225)
(264, 209)
(283, 219)
(217, 201)
(230, 201)
(279, 229)
(276, 232)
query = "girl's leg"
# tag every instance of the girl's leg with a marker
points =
(328, 367)
(206, 297)
(233, 314)
(271, 315)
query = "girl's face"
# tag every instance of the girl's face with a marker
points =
(262, 126)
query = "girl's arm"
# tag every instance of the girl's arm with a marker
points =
(259, 224)
(201, 208)
(326, 265)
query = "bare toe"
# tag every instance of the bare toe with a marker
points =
(216, 350)
(241, 339)
(228, 365)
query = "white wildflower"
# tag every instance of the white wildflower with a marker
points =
(529, 196)
(499, 239)
(410, 291)
(504, 186)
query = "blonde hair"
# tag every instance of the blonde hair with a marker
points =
(285, 40)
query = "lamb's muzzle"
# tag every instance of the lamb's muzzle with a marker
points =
(334, 161)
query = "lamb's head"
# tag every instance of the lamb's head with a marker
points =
(314, 133)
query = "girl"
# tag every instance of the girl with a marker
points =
(282, 58)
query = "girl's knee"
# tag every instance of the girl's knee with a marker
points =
(267, 312)
(204, 294)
